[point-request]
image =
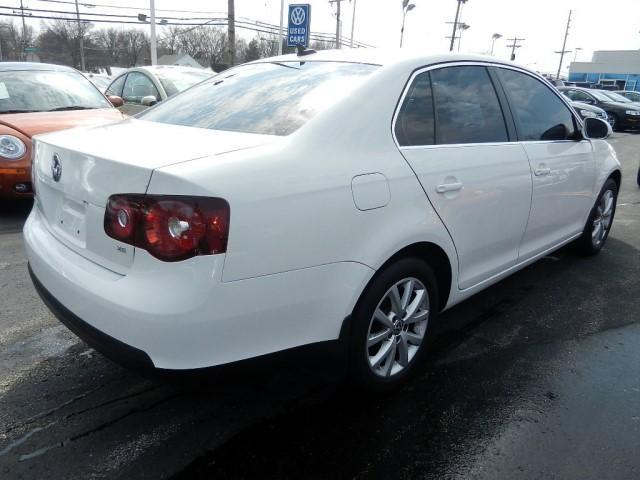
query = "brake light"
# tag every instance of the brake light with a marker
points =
(171, 228)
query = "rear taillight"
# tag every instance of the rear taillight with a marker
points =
(171, 228)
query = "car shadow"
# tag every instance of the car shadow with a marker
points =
(13, 214)
(77, 412)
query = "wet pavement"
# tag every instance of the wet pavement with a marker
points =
(536, 377)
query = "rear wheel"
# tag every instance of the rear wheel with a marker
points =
(596, 231)
(390, 325)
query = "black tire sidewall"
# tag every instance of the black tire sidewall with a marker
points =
(586, 242)
(360, 372)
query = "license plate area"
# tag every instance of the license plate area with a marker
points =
(71, 222)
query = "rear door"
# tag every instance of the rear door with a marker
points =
(562, 162)
(452, 131)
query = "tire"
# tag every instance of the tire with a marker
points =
(598, 226)
(613, 121)
(386, 347)
(638, 176)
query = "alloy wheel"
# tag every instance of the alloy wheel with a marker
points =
(397, 327)
(602, 220)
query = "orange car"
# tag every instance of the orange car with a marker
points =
(39, 98)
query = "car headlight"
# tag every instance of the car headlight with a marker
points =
(635, 113)
(11, 147)
(587, 113)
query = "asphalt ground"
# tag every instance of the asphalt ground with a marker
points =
(536, 377)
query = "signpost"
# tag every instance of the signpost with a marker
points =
(298, 25)
(31, 49)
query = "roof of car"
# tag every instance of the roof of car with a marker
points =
(385, 57)
(33, 66)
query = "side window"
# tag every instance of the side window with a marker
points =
(467, 107)
(116, 86)
(415, 123)
(539, 113)
(138, 86)
(578, 96)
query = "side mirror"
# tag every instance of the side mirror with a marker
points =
(595, 129)
(115, 100)
(149, 101)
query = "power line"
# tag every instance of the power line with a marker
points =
(122, 7)
(221, 22)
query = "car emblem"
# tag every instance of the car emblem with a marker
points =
(56, 167)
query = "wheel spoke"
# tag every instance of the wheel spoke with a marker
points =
(406, 294)
(376, 338)
(596, 230)
(390, 359)
(382, 354)
(608, 204)
(403, 351)
(383, 318)
(394, 296)
(413, 339)
(414, 308)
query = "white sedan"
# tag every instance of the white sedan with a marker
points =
(329, 197)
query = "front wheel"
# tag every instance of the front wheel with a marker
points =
(390, 325)
(613, 121)
(596, 231)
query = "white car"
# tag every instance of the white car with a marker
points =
(335, 196)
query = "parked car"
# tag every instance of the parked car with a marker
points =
(629, 94)
(616, 97)
(277, 206)
(100, 81)
(38, 98)
(622, 115)
(142, 87)
(585, 110)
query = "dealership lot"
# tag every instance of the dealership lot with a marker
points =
(537, 377)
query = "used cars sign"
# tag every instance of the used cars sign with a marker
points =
(299, 21)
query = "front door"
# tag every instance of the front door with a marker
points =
(452, 131)
(562, 163)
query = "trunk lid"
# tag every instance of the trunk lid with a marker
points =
(75, 172)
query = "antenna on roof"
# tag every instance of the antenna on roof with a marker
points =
(301, 51)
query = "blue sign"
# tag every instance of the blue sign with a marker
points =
(299, 22)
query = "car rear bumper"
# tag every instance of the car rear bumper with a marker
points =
(181, 315)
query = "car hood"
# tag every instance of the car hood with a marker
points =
(30, 124)
(586, 106)
(622, 106)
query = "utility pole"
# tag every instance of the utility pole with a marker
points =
(80, 36)
(514, 45)
(280, 31)
(154, 44)
(23, 54)
(231, 32)
(338, 23)
(455, 24)
(564, 44)
(353, 22)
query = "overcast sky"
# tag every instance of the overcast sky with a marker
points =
(596, 24)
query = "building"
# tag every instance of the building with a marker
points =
(608, 69)
(179, 59)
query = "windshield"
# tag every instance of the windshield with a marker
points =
(274, 98)
(616, 97)
(44, 91)
(100, 82)
(600, 95)
(175, 81)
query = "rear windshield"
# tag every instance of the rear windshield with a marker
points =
(274, 98)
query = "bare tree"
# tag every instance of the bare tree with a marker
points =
(13, 41)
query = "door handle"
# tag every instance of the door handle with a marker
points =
(539, 172)
(448, 187)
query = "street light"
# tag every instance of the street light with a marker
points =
(494, 37)
(406, 7)
(462, 27)
(575, 56)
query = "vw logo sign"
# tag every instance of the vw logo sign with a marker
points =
(56, 167)
(297, 16)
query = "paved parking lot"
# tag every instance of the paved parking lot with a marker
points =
(537, 377)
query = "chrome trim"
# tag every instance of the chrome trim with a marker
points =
(459, 63)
